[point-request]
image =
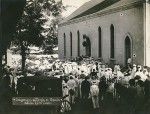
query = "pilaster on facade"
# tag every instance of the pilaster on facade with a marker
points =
(146, 9)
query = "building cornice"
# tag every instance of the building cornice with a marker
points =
(106, 12)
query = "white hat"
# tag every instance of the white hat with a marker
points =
(134, 65)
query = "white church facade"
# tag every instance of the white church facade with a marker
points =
(112, 30)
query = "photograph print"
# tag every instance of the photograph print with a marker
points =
(74, 56)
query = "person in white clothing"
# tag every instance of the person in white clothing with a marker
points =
(110, 72)
(145, 71)
(102, 73)
(66, 106)
(120, 75)
(107, 74)
(115, 68)
(94, 92)
(139, 71)
(65, 92)
(144, 75)
(71, 85)
(134, 69)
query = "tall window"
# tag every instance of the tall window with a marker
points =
(127, 49)
(71, 44)
(99, 42)
(64, 44)
(112, 43)
(78, 50)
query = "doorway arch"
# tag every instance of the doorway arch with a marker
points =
(128, 49)
(87, 44)
(88, 47)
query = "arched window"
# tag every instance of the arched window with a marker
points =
(71, 44)
(99, 43)
(64, 44)
(112, 42)
(78, 45)
(127, 49)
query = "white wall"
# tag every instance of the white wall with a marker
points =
(130, 22)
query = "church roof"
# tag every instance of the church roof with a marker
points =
(83, 8)
(95, 6)
(100, 6)
(121, 3)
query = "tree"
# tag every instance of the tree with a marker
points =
(30, 27)
(51, 33)
(51, 40)
(10, 13)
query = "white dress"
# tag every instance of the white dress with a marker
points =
(94, 90)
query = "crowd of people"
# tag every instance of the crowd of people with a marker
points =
(95, 80)
(92, 79)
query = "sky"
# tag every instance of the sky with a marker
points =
(73, 5)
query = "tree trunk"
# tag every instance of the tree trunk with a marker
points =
(23, 54)
(1, 73)
(6, 57)
(1, 55)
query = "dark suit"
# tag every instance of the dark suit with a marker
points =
(85, 89)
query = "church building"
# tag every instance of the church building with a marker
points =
(111, 30)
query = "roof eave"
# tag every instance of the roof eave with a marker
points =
(102, 13)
